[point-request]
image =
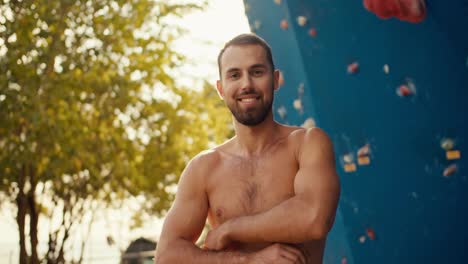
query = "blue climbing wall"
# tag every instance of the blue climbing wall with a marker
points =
(393, 98)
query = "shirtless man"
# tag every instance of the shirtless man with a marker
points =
(270, 193)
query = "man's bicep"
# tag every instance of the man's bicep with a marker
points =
(317, 180)
(187, 216)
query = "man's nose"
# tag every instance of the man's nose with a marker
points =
(246, 82)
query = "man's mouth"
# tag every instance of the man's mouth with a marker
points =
(248, 99)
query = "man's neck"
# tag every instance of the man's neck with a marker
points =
(253, 140)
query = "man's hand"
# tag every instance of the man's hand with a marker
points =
(218, 238)
(278, 254)
(413, 11)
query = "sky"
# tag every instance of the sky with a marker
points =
(208, 31)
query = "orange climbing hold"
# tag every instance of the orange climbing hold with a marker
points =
(363, 160)
(453, 154)
(350, 167)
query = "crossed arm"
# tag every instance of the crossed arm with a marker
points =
(185, 221)
(306, 216)
(309, 215)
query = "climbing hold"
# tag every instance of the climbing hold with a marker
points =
(281, 112)
(301, 20)
(447, 144)
(257, 24)
(363, 160)
(278, 2)
(353, 68)
(406, 89)
(300, 89)
(370, 233)
(362, 239)
(284, 24)
(451, 169)
(364, 151)
(386, 68)
(308, 123)
(344, 260)
(297, 104)
(453, 154)
(350, 167)
(313, 32)
(363, 155)
(348, 158)
(413, 11)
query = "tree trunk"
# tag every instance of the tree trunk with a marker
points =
(33, 216)
(88, 233)
(21, 203)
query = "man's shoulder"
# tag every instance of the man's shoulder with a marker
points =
(313, 144)
(300, 134)
(309, 138)
(199, 167)
(209, 158)
(204, 160)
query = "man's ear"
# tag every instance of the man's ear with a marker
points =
(276, 79)
(219, 88)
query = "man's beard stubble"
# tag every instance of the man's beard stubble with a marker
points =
(251, 117)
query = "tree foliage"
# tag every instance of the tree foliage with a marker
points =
(90, 112)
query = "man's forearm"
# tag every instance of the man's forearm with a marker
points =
(183, 251)
(292, 221)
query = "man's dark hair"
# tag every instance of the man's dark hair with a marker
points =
(247, 39)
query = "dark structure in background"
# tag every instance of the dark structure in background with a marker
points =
(393, 96)
(140, 251)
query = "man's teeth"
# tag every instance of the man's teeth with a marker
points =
(248, 100)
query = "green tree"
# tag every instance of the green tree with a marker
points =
(90, 113)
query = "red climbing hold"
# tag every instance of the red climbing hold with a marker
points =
(353, 67)
(404, 90)
(370, 233)
(313, 32)
(450, 170)
(413, 11)
(344, 260)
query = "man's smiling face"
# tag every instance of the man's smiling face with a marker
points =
(247, 83)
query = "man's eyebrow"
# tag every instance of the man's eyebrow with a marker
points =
(259, 65)
(232, 70)
(255, 66)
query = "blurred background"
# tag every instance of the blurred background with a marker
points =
(102, 103)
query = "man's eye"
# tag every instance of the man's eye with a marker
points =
(234, 75)
(257, 72)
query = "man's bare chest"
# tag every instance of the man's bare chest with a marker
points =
(240, 187)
